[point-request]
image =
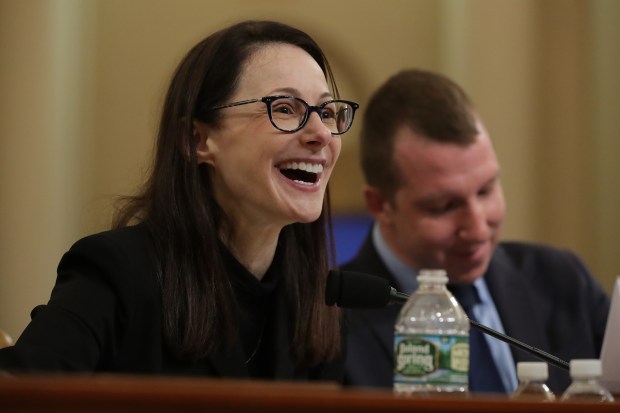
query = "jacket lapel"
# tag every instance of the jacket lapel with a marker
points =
(379, 322)
(514, 304)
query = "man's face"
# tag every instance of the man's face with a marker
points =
(449, 211)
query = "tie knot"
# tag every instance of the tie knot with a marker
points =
(466, 295)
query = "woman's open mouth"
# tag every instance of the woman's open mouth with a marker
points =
(304, 173)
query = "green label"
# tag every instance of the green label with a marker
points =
(429, 359)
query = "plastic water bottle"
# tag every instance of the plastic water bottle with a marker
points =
(585, 386)
(532, 376)
(431, 340)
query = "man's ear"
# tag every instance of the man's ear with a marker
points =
(204, 153)
(377, 204)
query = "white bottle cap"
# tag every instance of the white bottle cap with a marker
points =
(585, 368)
(432, 275)
(532, 370)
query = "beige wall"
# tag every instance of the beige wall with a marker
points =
(82, 82)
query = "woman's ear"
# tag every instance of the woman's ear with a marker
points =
(200, 135)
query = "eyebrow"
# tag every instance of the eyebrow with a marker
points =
(291, 91)
(440, 196)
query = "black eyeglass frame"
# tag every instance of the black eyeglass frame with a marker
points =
(267, 100)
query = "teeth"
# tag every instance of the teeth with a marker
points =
(303, 182)
(304, 166)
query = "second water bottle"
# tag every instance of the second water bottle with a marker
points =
(532, 376)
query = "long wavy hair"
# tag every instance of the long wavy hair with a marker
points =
(177, 206)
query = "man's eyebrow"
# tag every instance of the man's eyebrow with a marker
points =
(443, 195)
(492, 180)
(435, 197)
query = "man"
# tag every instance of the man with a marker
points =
(434, 191)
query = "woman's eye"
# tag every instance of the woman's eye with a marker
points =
(284, 109)
(328, 113)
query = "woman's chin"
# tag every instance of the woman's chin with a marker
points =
(307, 216)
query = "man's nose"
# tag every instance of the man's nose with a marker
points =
(474, 225)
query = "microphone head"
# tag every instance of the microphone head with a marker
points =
(350, 289)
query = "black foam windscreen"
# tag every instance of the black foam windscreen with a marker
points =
(356, 290)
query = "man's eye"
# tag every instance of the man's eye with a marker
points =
(440, 208)
(486, 191)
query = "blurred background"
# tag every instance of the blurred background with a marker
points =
(82, 82)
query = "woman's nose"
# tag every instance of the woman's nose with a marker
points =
(315, 132)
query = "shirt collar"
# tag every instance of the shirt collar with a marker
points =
(405, 276)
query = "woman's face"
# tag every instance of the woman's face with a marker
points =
(257, 171)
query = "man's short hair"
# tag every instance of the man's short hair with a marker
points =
(430, 104)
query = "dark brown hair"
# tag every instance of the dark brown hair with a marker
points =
(430, 104)
(178, 207)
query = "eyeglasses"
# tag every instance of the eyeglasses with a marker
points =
(290, 113)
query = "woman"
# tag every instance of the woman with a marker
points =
(218, 267)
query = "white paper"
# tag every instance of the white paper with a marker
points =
(610, 353)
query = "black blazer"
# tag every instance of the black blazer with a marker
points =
(105, 315)
(545, 298)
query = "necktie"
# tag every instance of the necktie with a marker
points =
(483, 374)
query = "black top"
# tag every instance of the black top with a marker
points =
(105, 315)
(256, 300)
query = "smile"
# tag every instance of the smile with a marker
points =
(304, 173)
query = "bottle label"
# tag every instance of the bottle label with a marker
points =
(431, 359)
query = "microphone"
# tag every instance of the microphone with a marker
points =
(350, 289)
(356, 290)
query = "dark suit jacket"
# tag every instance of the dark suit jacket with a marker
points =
(105, 315)
(545, 298)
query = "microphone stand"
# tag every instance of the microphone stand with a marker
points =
(397, 297)
(549, 358)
